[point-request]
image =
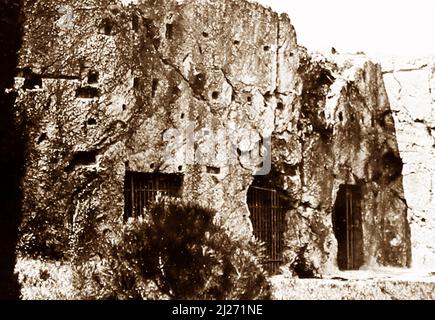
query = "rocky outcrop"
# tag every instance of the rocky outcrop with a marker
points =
(217, 92)
(410, 83)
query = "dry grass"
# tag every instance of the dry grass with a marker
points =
(52, 280)
(44, 280)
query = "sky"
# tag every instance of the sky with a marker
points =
(392, 27)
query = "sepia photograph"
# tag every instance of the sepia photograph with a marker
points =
(217, 150)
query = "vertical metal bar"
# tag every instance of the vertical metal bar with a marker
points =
(131, 176)
(270, 231)
(267, 232)
(140, 187)
(273, 228)
(273, 231)
(347, 229)
(281, 229)
(139, 194)
(259, 217)
(351, 231)
(153, 194)
(136, 196)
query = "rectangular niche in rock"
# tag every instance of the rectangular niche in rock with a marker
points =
(143, 189)
(88, 92)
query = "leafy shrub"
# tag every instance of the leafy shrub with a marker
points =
(301, 267)
(43, 236)
(177, 252)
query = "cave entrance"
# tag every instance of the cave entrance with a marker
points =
(268, 207)
(348, 227)
(143, 189)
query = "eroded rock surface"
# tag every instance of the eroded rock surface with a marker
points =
(104, 88)
(410, 83)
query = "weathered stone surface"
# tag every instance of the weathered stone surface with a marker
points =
(370, 285)
(411, 89)
(120, 88)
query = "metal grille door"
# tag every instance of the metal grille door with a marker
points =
(141, 189)
(267, 216)
(348, 227)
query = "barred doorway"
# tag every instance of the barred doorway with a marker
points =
(348, 227)
(268, 207)
(142, 189)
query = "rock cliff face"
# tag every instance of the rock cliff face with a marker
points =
(410, 83)
(213, 92)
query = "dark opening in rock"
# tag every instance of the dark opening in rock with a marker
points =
(107, 26)
(280, 106)
(180, 168)
(266, 48)
(383, 118)
(215, 95)
(31, 80)
(93, 76)
(82, 158)
(169, 31)
(182, 116)
(340, 116)
(198, 84)
(347, 225)
(135, 23)
(124, 107)
(393, 166)
(213, 170)
(136, 83)
(152, 32)
(42, 138)
(154, 87)
(249, 98)
(290, 170)
(236, 42)
(87, 92)
(92, 122)
(176, 91)
(205, 34)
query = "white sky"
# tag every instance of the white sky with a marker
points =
(399, 27)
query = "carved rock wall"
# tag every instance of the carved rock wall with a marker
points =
(410, 84)
(104, 88)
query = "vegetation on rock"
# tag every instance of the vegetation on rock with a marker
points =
(176, 252)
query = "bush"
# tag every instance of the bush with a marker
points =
(44, 236)
(177, 252)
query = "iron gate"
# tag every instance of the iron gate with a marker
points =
(140, 189)
(267, 216)
(348, 227)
